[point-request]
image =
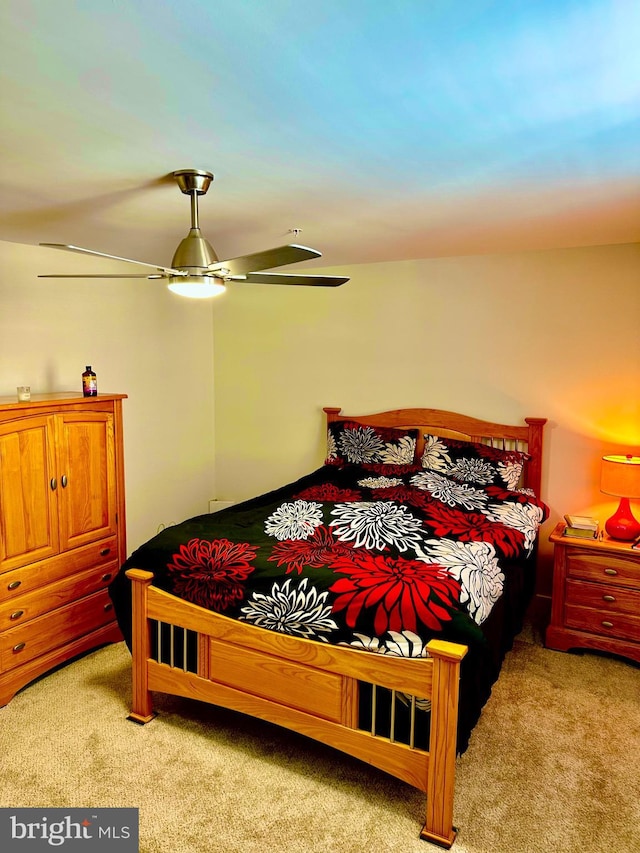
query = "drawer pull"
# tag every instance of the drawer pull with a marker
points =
(108, 607)
(105, 551)
(14, 584)
(606, 624)
(611, 572)
(608, 598)
(16, 614)
(106, 577)
(19, 647)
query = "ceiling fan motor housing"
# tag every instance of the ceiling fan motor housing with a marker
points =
(194, 252)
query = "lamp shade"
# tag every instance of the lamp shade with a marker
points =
(620, 476)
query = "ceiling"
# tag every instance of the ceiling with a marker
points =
(397, 130)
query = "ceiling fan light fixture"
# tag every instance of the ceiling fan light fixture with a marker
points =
(196, 286)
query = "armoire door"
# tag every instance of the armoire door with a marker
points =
(28, 492)
(87, 473)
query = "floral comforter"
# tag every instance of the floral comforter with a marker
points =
(378, 556)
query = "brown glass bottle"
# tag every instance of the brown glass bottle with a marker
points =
(89, 383)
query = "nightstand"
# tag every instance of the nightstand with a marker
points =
(596, 595)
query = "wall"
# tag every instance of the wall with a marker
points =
(552, 334)
(142, 341)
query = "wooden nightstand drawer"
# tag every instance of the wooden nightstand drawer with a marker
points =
(607, 599)
(29, 578)
(605, 624)
(25, 607)
(24, 642)
(602, 567)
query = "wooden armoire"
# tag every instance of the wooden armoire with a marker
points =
(62, 530)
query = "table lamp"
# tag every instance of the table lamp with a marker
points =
(620, 476)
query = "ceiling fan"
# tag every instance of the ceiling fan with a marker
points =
(196, 271)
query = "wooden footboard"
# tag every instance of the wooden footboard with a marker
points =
(306, 686)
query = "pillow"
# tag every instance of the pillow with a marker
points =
(351, 442)
(471, 462)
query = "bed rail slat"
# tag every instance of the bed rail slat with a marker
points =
(374, 708)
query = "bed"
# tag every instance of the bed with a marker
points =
(368, 605)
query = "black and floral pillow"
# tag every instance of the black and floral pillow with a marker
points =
(349, 442)
(471, 462)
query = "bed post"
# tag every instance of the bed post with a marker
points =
(332, 413)
(446, 657)
(534, 449)
(141, 709)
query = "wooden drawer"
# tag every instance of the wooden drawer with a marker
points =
(611, 568)
(607, 599)
(25, 642)
(29, 578)
(25, 607)
(606, 624)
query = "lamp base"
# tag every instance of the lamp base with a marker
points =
(622, 525)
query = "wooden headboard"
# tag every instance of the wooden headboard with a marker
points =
(526, 437)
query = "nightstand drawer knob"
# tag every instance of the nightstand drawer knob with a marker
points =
(16, 614)
(606, 624)
(14, 584)
(106, 577)
(108, 606)
(611, 572)
(19, 647)
(608, 598)
(105, 551)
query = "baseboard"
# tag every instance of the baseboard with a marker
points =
(216, 506)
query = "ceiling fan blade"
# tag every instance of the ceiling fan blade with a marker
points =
(291, 278)
(93, 275)
(68, 248)
(267, 260)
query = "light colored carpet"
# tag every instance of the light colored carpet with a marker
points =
(553, 765)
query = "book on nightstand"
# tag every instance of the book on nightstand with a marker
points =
(585, 522)
(580, 533)
(582, 526)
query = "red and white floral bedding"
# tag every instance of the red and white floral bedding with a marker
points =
(373, 550)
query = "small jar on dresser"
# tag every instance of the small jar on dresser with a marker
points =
(62, 530)
(596, 595)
